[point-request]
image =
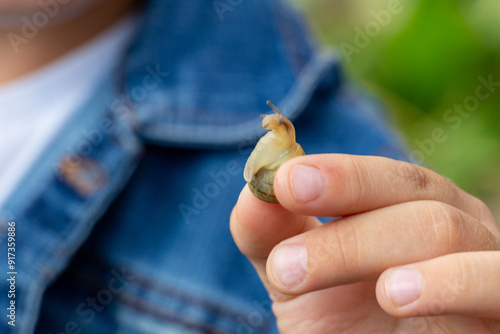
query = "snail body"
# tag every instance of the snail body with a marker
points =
(273, 149)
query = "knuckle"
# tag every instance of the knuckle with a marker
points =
(340, 249)
(324, 253)
(465, 273)
(446, 227)
(484, 213)
(414, 177)
(360, 183)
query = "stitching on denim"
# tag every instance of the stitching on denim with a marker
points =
(94, 281)
(168, 315)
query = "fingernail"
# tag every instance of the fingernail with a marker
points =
(289, 266)
(307, 183)
(404, 286)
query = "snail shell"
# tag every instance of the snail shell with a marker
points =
(272, 150)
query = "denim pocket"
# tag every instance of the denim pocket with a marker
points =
(96, 297)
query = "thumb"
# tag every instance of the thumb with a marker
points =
(257, 227)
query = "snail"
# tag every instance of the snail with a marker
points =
(272, 150)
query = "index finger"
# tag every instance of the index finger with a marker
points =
(339, 185)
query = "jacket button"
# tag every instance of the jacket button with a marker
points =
(84, 175)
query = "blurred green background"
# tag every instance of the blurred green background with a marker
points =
(424, 59)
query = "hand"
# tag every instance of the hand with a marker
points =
(411, 253)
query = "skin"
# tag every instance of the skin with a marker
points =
(76, 23)
(393, 215)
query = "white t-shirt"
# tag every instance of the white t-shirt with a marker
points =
(34, 108)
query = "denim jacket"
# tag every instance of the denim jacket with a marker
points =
(122, 225)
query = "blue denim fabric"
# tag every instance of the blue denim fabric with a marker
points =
(122, 226)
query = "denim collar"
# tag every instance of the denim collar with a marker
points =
(200, 72)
